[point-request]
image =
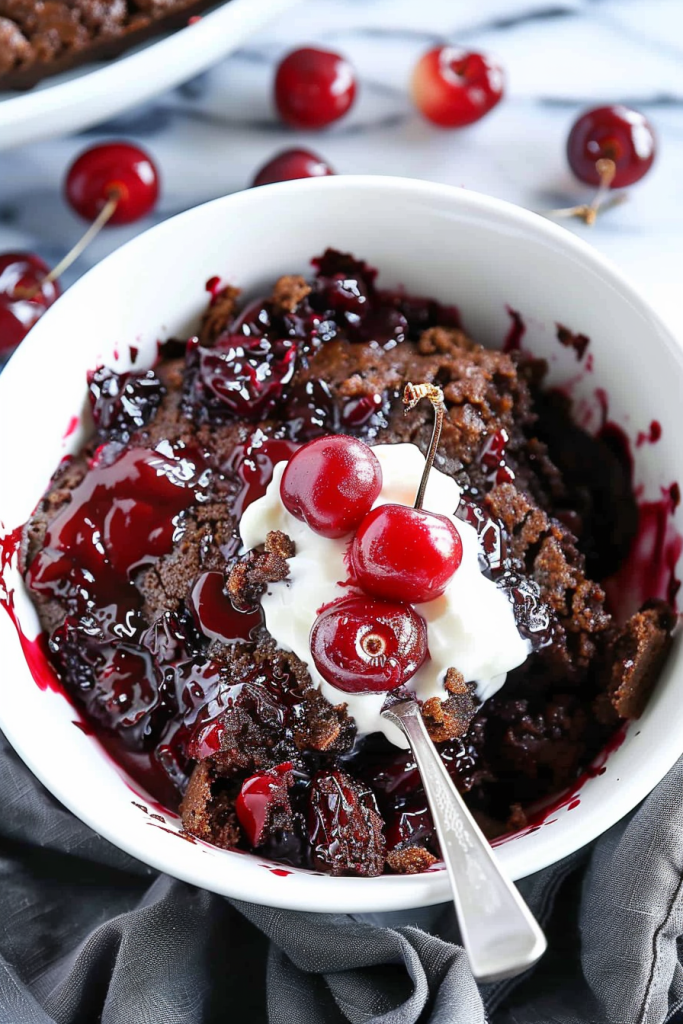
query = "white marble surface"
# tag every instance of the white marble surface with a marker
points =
(561, 55)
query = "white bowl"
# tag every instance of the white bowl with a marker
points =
(459, 246)
(90, 94)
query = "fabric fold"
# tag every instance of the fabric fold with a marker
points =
(89, 934)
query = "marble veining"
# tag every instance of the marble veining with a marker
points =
(211, 134)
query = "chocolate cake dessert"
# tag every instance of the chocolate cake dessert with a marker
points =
(44, 37)
(185, 620)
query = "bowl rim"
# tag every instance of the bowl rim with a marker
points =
(387, 892)
(162, 62)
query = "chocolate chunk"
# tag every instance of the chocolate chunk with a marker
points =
(249, 578)
(639, 653)
(410, 860)
(451, 718)
(218, 315)
(289, 291)
(208, 811)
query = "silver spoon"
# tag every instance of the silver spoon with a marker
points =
(499, 933)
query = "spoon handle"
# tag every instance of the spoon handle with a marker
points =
(498, 931)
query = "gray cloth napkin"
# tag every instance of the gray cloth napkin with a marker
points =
(88, 934)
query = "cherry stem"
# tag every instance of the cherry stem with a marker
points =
(606, 169)
(588, 212)
(105, 214)
(412, 394)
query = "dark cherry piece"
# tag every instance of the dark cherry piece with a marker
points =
(408, 554)
(263, 803)
(113, 170)
(361, 645)
(617, 134)
(23, 296)
(291, 164)
(122, 403)
(247, 375)
(331, 484)
(121, 517)
(313, 88)
(453, 87)
(344, 826)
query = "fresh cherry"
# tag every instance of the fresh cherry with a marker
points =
(291, 164)
(408, 554)
(405, 554)
(361, 645)
(331, 484)
(113, 170)
(313, 88)
(21, 275)
(263, 803)
(618, 134)
(453, 87)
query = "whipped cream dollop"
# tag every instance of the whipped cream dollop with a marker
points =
(471, 627)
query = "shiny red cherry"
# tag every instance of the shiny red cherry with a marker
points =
(614, 133)
(113, 169)
(453, 87)
(314, 87)
(263, 799)
(405, 554)
(361, 645)
(291, 164)
(331, 484)
(21, 275)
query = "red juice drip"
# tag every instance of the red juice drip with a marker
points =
(652, 436)
(213, 287)
(35, 651)
(258, 795)
(513, 339)
(650, 569)
(71, 427)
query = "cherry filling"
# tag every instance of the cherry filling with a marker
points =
(263, 806)
(201, 681)
(248, 374)
(124, 515)
(122, 403)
